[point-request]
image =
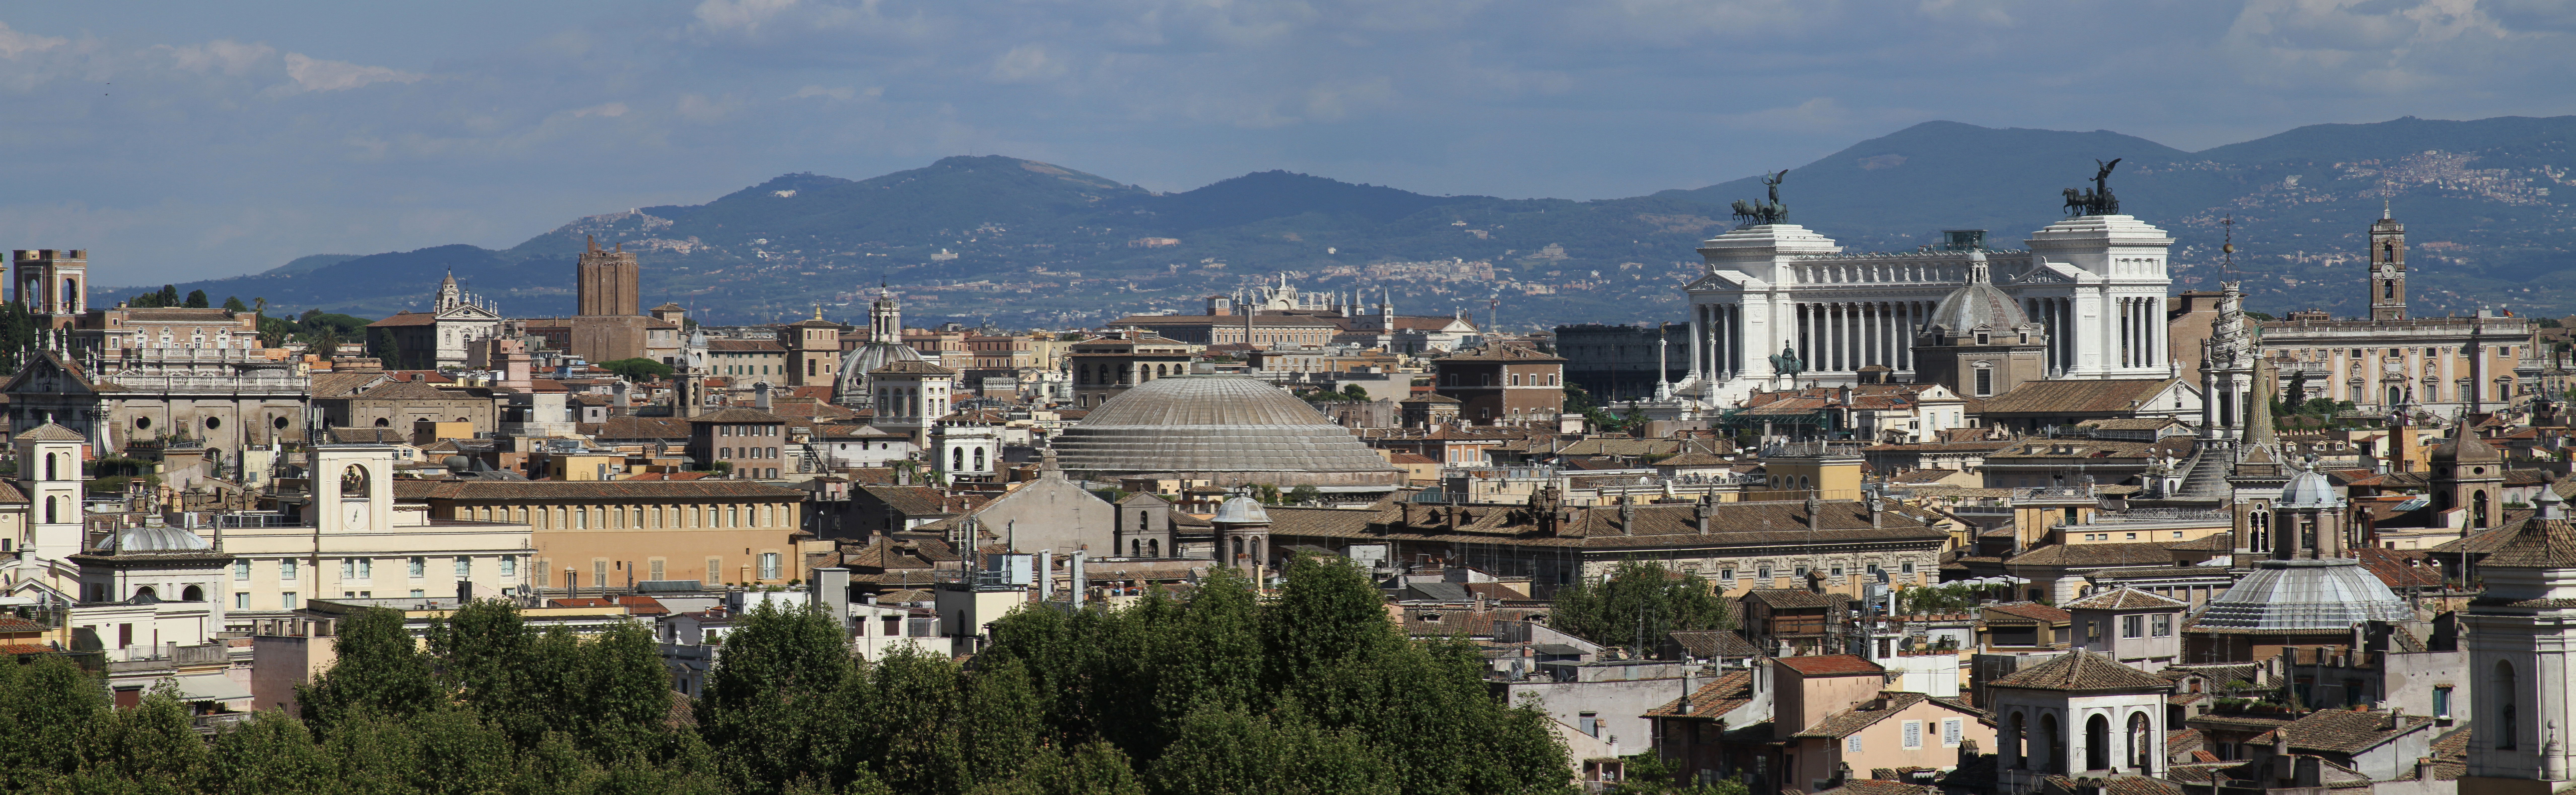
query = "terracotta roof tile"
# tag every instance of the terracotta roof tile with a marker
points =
(2082, 670)
(2125, 598)
(1718, 697)
(2033, 611)
(2342, 731)
(2076, 396)
(545, 490)
(1830, 665)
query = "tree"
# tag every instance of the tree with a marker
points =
(638, 369)
(1637, 605)
(773, 707)
(380, 671)
(269, 754)
(196, 300)
(233, 303)
(169, 296)
(17, 335)
(1304, 494)
(324, 343)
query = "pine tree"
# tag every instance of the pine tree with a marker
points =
(196, 299)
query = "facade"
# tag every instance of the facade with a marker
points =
(1622, 362)
(399, 405)
(228, 401)
(911, 397)
(812, 349)
(2445, 365)
(344, 531)
(2096, 284)
(1106, 367)
(52, 283)
(1502, 385)
(751, 440)
(2520, 636)
(1977, 342)
(587, 534)
(2079, 714)
(439, 339)
(748, 362)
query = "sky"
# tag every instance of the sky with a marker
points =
(182, 140)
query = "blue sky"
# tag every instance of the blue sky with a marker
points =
(186, 140)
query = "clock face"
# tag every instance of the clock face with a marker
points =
(356, 515)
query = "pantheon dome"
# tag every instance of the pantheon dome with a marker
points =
(1231, 430)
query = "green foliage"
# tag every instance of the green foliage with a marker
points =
(1646, 774)
(196, 300)
(17, 335)
(234, 303)
(1315, 693)
(638, 369)
(1304, 494)
(1640, 600)
(1936, 599)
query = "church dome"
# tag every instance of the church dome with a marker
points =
(1977, 304)
(852, 388)
(1229, 429)
(2301, 596)
(153, 541)
(2309, 489)
(1241, 510)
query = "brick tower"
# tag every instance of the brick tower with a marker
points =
(609, 282)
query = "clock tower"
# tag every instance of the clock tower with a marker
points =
(2387, 268)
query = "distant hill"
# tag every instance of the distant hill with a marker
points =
(1021, 243)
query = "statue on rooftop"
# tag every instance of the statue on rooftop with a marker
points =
(1771, 212)
(2099, 200)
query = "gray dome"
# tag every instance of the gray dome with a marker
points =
(1977, 303)
(851, 388)
(1241, 510)
(1229, 429)
(152, 541)
(2309, 489)
(2327, 595)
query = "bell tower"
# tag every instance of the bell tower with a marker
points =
(2387, 268)
(52, 283)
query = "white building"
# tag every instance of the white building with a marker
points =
(2096, 282)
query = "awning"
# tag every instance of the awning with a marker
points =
(209, 687)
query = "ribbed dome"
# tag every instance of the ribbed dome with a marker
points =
(2465, 445)
(2309, 489)
(153, 540)
(1241, 510)
(1230, 429)
(1977, 303)
(851, 389)
(2327, 595)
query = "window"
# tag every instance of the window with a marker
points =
(286, 571)
(2508, 735)
(2133, 626)
(418, 593)
(1726, 575)
(2164, 625)
(1950, 732)
(1913, 734)
(1906, 568)
(1985, 382)
(715, 570)
(241, 601)
(464, 567)
(419, 566)
(599, 571)
(1852, 746)
(287, 601)
(769, 565)
(657, 568)
(1762, 572)
(510, 566)
(1838, 571)
(241, 570)
(2442, 702)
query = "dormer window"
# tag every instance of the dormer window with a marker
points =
(1984, 339)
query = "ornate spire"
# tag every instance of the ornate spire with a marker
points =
(2258, 417)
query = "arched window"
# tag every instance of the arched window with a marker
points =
(1238, 547)
(193, 594)
(2507, 733)
(2055, 758)
(1135, 547)
(353, 481)
(53, 510)
(2014, 734)
(2142, 744)
(2388, 289)
(146, 595)
(957, 459)
(2098, 742)
(2394, 398)
(71, 295)
(1154, 547)
(52, 467)
(979, 459)
(2478, 509)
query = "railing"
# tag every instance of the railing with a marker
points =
(2138, 515)
(1800, 449)
(2053, 493)
(237, 520)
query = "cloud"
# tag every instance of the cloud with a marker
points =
(1026, 63)
(742, 15)
(225, 56)
(605, 110)
(14, 43)
(699, 108)
(314, 74)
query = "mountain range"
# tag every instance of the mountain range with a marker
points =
(1021, 244)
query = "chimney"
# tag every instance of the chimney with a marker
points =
(1046, 574)
(760, 396)
(1700, 514)
(1876, 507)
(2396, 718)
(1627, 518)
(2280, 744)
(1078, 583)
(1967, 752)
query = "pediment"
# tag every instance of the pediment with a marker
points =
(45, 374)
